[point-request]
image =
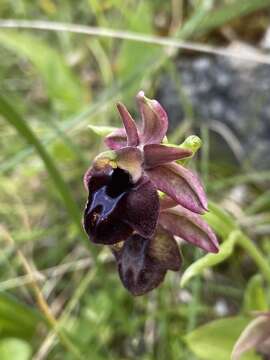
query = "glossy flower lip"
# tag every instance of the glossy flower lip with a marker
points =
(102, 220)
(115, 206)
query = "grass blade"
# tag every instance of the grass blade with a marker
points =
(228, 12)
(7, 111)
(62, 86)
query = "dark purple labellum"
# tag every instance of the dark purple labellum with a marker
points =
(138, 271)
(102, 217)
(116, 206)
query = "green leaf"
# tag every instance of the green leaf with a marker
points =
(260, 203)
(62, 86)
(255, 296)
(17, 319)
(232, 10)
(249, 178)
(14, 349)
(102, 130)
(134, 53)
(209, 260)
(215, 340)
(222, 222)
(7, 111)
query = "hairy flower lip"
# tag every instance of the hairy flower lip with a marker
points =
(102, 215)
(143, 262)
(116, 206)
(141, 198)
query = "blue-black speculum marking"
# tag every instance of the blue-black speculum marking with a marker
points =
(103, 213)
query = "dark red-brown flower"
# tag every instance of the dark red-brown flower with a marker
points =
(140, 196)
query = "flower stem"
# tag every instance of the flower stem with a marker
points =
(255, 254)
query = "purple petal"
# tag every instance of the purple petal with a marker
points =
(138, 272)
(155, 120)
(189, 226)
(164, 249)
(166, 202)
(129, 124)
(157, 154)
(142, 208)
(181, 185)
(116, 139)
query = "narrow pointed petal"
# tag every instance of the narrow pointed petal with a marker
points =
(254, 335)
(190, 227)
(142, 208)
(129, 124)
(164, 249)
(181, 185)
(155, 120)
(157, 154)
(116, 139)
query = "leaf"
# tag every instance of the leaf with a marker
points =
(260, 203)
(131, 53)
(17, 319)
(209, 260)
(62, 86)
(215, 340)
(222, 222)
(7, 111)
(232, 10)
(255, 297)
(102, 130)
(14, 349)
(107, 97)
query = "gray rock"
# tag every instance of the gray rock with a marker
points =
(234, 95)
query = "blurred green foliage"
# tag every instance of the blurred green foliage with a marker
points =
(55, 84)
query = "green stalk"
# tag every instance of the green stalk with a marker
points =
(255, 254)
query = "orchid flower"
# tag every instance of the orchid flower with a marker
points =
(256, 336)
(140, 197)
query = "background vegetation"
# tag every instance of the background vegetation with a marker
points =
(60, 298)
